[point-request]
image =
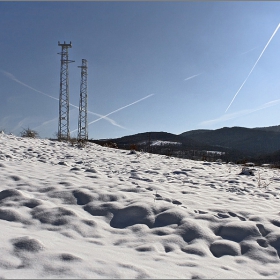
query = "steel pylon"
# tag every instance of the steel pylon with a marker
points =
(82, 122)
(63, 121)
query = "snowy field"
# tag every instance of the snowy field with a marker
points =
(96, 212)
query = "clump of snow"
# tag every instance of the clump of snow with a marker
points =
(98, 212)
(249, 164)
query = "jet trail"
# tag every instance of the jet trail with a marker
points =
(254, 66)
(12, 77)
(248, 51)
(116, 111)
(191, 77)
(239, 114)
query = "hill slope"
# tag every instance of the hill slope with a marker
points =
(252, 142)
(142, 140)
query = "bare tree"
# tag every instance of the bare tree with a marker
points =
(27, 132)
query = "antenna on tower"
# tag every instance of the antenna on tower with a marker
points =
(82, 122)
(63, 121)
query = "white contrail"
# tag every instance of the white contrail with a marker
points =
(254, 65)
(248, 51)
(191, 77)
(116, 111)
(12, 77)
(108, 119)
(239, 114)
(22, 122)
(45, 123)
(122, 108)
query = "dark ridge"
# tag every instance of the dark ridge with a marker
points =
(236, 144)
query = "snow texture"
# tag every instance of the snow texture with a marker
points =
(98, 212)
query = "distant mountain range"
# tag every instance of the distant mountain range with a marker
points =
(234, 143)
(252, 142)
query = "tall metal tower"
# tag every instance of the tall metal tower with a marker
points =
(63, 121)
(82, 122)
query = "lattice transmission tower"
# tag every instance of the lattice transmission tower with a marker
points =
(82, 122)
(63, 121)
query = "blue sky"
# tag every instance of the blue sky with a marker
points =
(184, 61)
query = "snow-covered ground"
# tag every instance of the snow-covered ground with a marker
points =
(161, 143)
(215, 153)
(96, 212)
